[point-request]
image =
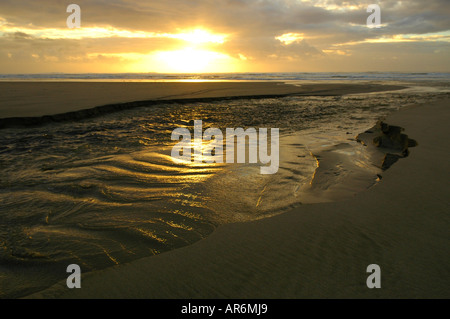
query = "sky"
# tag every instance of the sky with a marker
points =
(174, 36)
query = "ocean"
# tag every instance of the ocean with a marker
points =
(105, 191)
(308, 77)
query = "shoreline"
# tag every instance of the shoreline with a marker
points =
(19, 106)
(316, 250)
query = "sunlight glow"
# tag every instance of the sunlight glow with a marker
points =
(199, 36)
(397, 38)
(192, 55)
(289, 38)
(191, 60)
(195, 36)
(329, 5)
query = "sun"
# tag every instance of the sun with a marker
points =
(192, 60)
(198, 51)
(196, 57)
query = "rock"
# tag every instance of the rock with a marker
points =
(392, 137)
(388, 160)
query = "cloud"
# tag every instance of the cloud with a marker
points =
(18, 35)
(284, 33)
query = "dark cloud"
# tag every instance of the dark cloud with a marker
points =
(249, 16)
(18, 35)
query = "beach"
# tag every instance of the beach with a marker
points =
(209, 155)
(317, 250)
(320, 250)
(27, 103)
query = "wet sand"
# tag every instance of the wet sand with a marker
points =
(30, 103)
(316, 250)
